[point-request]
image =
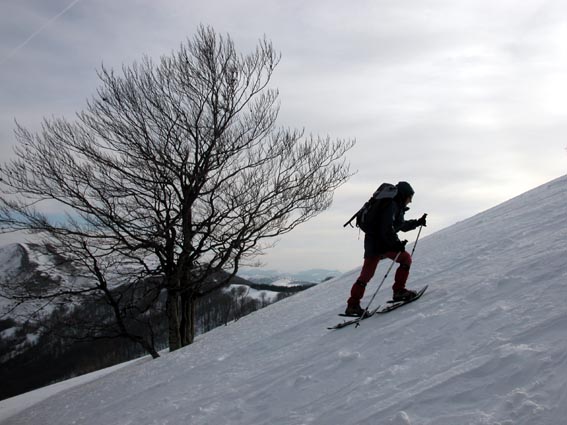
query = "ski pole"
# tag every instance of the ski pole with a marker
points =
(416, 239)
(377, 289)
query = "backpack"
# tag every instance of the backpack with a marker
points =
(366, 216)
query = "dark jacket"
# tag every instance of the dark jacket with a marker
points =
(389, 222)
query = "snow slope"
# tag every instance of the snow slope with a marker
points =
(485, 345)
(21, 402)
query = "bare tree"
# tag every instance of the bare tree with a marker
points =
(177, 167)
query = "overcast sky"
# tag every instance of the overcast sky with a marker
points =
(466, 100)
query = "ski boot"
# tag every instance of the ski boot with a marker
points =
(403, 295)
(354, 310)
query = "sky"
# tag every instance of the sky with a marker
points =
(466, 100)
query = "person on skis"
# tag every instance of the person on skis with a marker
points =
(382, 243)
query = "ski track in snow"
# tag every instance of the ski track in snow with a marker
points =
(485, 345)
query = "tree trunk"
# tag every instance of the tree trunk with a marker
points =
(181, 316)
(173, 319)
(188, 316)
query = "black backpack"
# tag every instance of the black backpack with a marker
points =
(366, 216)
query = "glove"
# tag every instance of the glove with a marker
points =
(401, 246)
(422, 221)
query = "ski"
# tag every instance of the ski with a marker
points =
(397, 304)
(355, 319)
(393, 305)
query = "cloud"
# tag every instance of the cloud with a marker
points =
(463, 99)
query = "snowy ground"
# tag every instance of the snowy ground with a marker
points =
(485, 345)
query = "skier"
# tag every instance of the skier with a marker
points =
(384, 243)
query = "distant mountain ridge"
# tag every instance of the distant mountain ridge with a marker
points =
(272, 275)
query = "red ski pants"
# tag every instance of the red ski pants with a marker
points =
(369, 268)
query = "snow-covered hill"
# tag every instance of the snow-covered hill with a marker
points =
(485, 345)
